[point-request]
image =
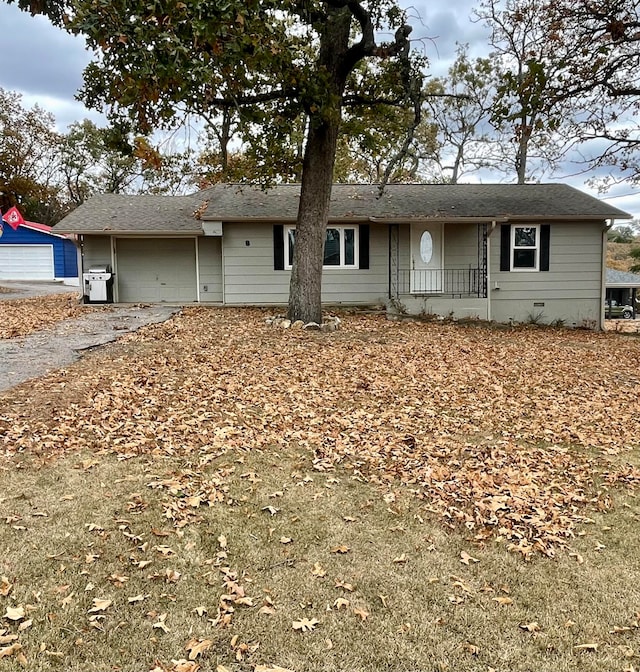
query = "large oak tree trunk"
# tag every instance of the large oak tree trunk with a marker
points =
(305, 290)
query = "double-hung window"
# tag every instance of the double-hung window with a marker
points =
(340, 247)
(525, 248)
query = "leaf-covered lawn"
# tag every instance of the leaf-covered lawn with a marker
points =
(237, 495)
(20, 317)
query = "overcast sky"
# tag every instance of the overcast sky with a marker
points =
(45, 65)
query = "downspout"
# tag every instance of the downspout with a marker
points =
(114, 269)
(223, 270)
(489, 232)
(80, 264)
(197, 253)
(603, 275)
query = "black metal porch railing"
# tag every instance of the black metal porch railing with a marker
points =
(448, 282)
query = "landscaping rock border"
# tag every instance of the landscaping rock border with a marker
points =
(329, 323)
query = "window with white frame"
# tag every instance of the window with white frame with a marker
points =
(340, 247)
(525, 248)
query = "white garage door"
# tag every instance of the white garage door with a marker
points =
(26, 262)
(156, 269)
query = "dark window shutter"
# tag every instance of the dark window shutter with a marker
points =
(545, 236)
(505, 247)
(363, 246)
(278, 247)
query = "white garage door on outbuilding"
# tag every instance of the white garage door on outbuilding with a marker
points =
(26, 262)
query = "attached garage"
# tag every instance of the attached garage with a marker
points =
(156, 270)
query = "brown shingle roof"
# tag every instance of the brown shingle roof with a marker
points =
(400, 202)
(413, 201)
(110, 213)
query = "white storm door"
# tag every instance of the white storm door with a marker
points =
(426, 258)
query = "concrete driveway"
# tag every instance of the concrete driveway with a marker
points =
(22, 289)
(32, 356)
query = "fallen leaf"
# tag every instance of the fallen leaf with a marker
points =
(342, 549)
(465, 558)
(183, 666)
(458, 583)
(5, 586)
(318, 570)
(267, 609)
(15, 613)
(271, 668)
(65, 602)
(10, 650)
(286, 540)
(136, 598)
(586, 647)
(345, 586)
(503, 601)
(160, 624)
(159, 533)
(196, 647)
(100, 605)
(341, 603)
(362, 613)
(165, 550)
(305, 624)
(530, 627)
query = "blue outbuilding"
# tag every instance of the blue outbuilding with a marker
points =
(33, 252)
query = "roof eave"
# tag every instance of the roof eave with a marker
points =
(403, 219)
(569, 218)
(138, 232)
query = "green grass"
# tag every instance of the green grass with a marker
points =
(257, 489)
(426, 609)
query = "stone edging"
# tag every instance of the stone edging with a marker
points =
(329, 323)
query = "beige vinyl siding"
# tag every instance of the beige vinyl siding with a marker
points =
(570, 290)
(210, 263)
(96, 251)
(250, 278)
(460, 246)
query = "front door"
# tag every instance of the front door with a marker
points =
(426, 258)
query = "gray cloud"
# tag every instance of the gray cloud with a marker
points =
(43, 63)
(38, 56)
